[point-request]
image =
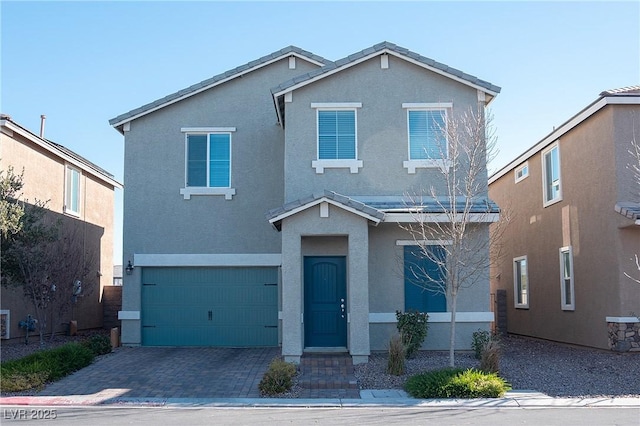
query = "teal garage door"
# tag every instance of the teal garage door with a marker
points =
(226, 307)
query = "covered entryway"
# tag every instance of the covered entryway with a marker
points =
(325, 294)
(210, 306)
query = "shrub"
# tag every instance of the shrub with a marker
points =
(456, 383)
(99, 344)
(395, 364)
(412, 326)
(490, 358)
(41, 367)
(480, 339)
(278, 378)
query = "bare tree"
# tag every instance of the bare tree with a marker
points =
(49, 260)
(634, 168)
(456, 242)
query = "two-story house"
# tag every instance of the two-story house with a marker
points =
(571, 243)
(262, 205)
(80, 196)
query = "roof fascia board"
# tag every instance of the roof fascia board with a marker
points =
(378, 53)
(564, 128)
(214, 84)
(67, 158)
(323, 200)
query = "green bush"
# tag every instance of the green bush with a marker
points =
(395, 363)
(412, 326)
(99, 344)
(41, 367)
(456, 383)
(278, 378)
(480, 339)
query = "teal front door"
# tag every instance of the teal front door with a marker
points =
(325, 301)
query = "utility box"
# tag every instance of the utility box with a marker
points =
(73, 328)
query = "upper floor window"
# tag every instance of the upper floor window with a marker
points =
(208, 162)
(551, 175)
(522, 172)
(72, 191)
(427, 133)
(520, 282)
(337, 136)
(566, 279)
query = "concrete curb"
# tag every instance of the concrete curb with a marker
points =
(370, 398)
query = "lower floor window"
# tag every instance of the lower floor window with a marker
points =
(521, 282)
(566, 279)
(424, 279)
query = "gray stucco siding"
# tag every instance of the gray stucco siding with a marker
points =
(386, 291)
(381, 127)
(159, 220)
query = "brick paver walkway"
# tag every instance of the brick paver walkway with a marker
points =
(171, 373)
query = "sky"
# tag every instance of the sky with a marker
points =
(82, 63)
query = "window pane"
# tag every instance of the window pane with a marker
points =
(422, 271)
(426, 135)
(521, 282)
(336, 135)
(220, 156)
(197, 160)
(73, 190)
(552, 174)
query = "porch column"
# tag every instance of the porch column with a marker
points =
(291, 295)
(359, 293)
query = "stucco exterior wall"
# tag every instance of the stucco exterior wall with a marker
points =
(584, 219)
(387, 294)
(348, 235)
(159, 220)
(382, 141)
(44, 180)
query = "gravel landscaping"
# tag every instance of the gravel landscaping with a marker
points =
(528, 364)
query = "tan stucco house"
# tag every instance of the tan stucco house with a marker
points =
(575, 229)
(81, 195)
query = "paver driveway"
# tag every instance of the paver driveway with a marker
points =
(153, 372)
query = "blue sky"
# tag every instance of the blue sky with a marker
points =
(82, 63)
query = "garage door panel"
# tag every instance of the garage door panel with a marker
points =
(210, 307)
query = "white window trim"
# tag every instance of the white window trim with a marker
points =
(571, 305)
(547, 150)
(354, 165)
(67, 209)
(521, 169)
(515, 283)
(443, 164)
(189, 191)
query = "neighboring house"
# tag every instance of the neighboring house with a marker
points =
(575, 229)
(80, 195)
(326, 150)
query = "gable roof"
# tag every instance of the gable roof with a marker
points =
(59, 150)
(629, 95)
(276, 216)
(381, 48)
(389, 208)
(120, 120)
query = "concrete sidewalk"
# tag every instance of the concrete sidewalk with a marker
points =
(369, 398)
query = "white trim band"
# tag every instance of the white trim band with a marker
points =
(128, 315)
(390, 317)
(438, 105)
(336, 105)
(182, 259)
(439, 217)
(623, 320)
(207, 129)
